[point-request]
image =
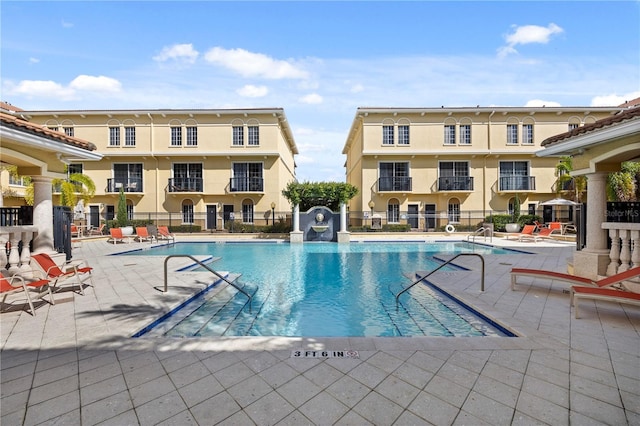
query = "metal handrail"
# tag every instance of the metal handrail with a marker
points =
(166, 287)
(477, 232)
(442, 266)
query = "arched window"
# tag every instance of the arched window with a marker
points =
(393, 211)
(454, 210)
(187, 211)
(247, 211)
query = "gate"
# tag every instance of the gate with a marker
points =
(62, 219)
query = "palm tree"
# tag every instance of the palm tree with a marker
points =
(625, 184)
(77, 184)
(564, 180)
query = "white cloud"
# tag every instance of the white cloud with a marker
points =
(66, 24)
(541, 103)
(41, 89)
(251, 91)
(312, 98)
(178, 52)
(609, 100)
(527, 34)
(96, 84)
(249, 64)
(33, 60)
(357, 88)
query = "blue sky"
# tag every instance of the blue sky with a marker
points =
(319, 61)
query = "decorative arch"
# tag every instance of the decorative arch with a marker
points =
(453, 210)
(253, 122)
(528, 120)
(52, 125)
(450, 121)
(513, 120)
(404, 121)
(175, 123)
(388, 122)
(113, 123)
(129, 123)
(247, 210)
(191, 123)
(237, 122)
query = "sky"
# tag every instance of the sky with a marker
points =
(319, 61)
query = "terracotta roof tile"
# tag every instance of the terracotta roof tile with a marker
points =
(629, 114)
(36, 129)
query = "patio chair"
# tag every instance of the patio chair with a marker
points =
(143, 235)
(97, 231)
(16, 284)
(573, 279)
(116, 236)
(75, 231)
(164, 234)
(527, 232)
(75, 273)
(607, 294)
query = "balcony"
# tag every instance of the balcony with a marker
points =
(185, 185)
(394, 184)
(246, 184)
(455, 183)
(128, 185)
(516, 183)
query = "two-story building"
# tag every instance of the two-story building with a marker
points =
(200, 166)
(430, 167)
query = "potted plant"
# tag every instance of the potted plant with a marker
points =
(514, 226)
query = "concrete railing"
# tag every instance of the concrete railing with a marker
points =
(625, 246)
(17, 261)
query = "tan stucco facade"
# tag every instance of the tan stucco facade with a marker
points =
(435, 140)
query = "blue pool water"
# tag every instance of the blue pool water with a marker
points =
(324, 289)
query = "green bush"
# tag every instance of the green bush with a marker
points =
(499, 221)
(185, 228)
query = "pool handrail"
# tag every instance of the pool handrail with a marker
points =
(442, 266)
(483, 231)
(166, 286)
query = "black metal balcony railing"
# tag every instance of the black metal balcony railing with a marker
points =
(128, 185)
(517, 183)
(394, 184)
(246, 184)
(455, 183)
(185, 185)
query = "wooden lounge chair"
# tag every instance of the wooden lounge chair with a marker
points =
(573, 279)
(607, 294)
(17, 284)
(143, 235)
(75, 273)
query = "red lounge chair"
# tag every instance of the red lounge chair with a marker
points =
(74, 272)
(16, 284)
(116, 236)
(164, 234)
(605, 294)
(143, 235)
(573, 279)
(527, 232)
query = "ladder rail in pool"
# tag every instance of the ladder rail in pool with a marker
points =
(217, 274)
(442, 266)
(481, 232)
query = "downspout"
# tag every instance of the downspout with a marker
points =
(484, 167)
(151, 132)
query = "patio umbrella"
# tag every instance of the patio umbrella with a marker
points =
(558, 202)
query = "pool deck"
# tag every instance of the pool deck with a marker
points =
(74, 363)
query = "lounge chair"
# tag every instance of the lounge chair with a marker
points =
(75, 273)
(116, 236)
(606, 294)
(164, 234)
(143, 235)
(544, 233)
(527, 232)
(17, 284)
(75, 231)
(573, 279)
(97, 231)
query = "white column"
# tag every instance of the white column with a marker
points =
(596, 212)
(296, 218)
(625, 250)
(343, 217)
(42, 214)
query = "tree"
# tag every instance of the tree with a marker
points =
(564, 180)
(121, 216)
(625, 184)
(310, 194)
(77, 183)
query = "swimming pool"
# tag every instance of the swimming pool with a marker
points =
(324, 290)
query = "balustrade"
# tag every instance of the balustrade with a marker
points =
(625, 246)
(16, 241)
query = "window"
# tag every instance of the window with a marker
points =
(247, 177)
(247, 211)
(192, 136)
(254, 135)
(186, 177)
(176, 136)
(450, 134)
(394, 177)
(512, 134)
(187, 211)
(238, 136)
(74, 168)
(393, 211)
(17, 180)
(128, 177)
(465, 134)
(573, 126)
(403, 135)
(514, 176)
(454, 176)
(129, 136)
(68, 131)
(527, 134)
(114, 136)
(387, 135)
(453, 210)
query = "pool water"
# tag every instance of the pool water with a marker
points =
(324, 289)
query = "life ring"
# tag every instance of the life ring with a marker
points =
(449, 228)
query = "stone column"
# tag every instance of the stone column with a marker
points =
(296, 235)
(343, 234)
(593, 260)
(43, 214)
